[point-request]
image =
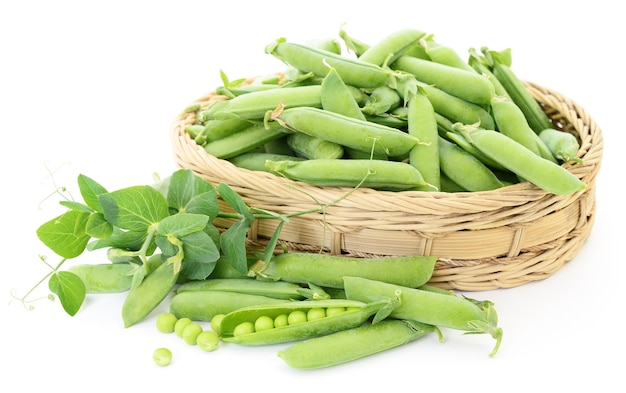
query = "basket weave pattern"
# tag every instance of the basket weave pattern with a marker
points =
(483, 240)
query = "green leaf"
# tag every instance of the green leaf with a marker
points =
(199, 248)
(129, 240)
(205, 203)
(182, 224)
(70, 289)
(233, 245)
(65, 234)
(231, 197)
(134, 208)
(89, 190)
(81, 207)
(184, 187)
(98, 227)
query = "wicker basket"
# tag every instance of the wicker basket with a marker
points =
(483, 240)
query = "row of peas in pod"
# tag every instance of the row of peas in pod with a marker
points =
(327, 310)
(404, 113)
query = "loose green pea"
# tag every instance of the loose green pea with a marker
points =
(281, 320)
(208, 341)
(162, 356)
(263, 323)
(180, 326)
(296, 316)
(315, 313)
(191, 333)
(243, 328)
(166, 322)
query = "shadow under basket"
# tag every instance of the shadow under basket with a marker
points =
(483, 240)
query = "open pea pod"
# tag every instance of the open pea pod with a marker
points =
(331, 315)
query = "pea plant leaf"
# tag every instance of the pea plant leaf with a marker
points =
(190, 193)
(182, 224)
(201, 255)
(89, 190)
(65, 234)
(233, 245)
(70, 289)
(128, 240)
(134, 208)
(98, 227)
(81, 207)
(231, 197)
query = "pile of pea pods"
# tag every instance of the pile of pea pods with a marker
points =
(404, 113)
(329, 309)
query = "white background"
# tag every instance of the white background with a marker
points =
(92, 87)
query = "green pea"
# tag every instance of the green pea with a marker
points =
(208, 341)
(180, 326)
(263, 323)
(191, 333)
(330, 311)
(273, 289)
(255, 161)
(296, 316)
(162, 356)
(315, 313)
(281, 320)
(166, 322)
(243, 328)
(215, 322)
(245, 140)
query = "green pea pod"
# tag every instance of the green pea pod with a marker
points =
(346, 131)
(562, 144)
(255, 105)
(328, 270)
(465, 169)
(255, 161)
(352, 344)
(244, 141)
(278, 290)
(376, 174)
(354, 313)
(510, 121)
(392, 46)
(423, 124)
(444, 54)
(314, 148)
(467, 85)
(105, 277)
(145, 297)
(318, 61)
(337, 97)
(429, 307)
(217, 129)
(543, 173)
(204, 305)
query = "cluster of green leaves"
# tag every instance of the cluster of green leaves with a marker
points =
(174, 218)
